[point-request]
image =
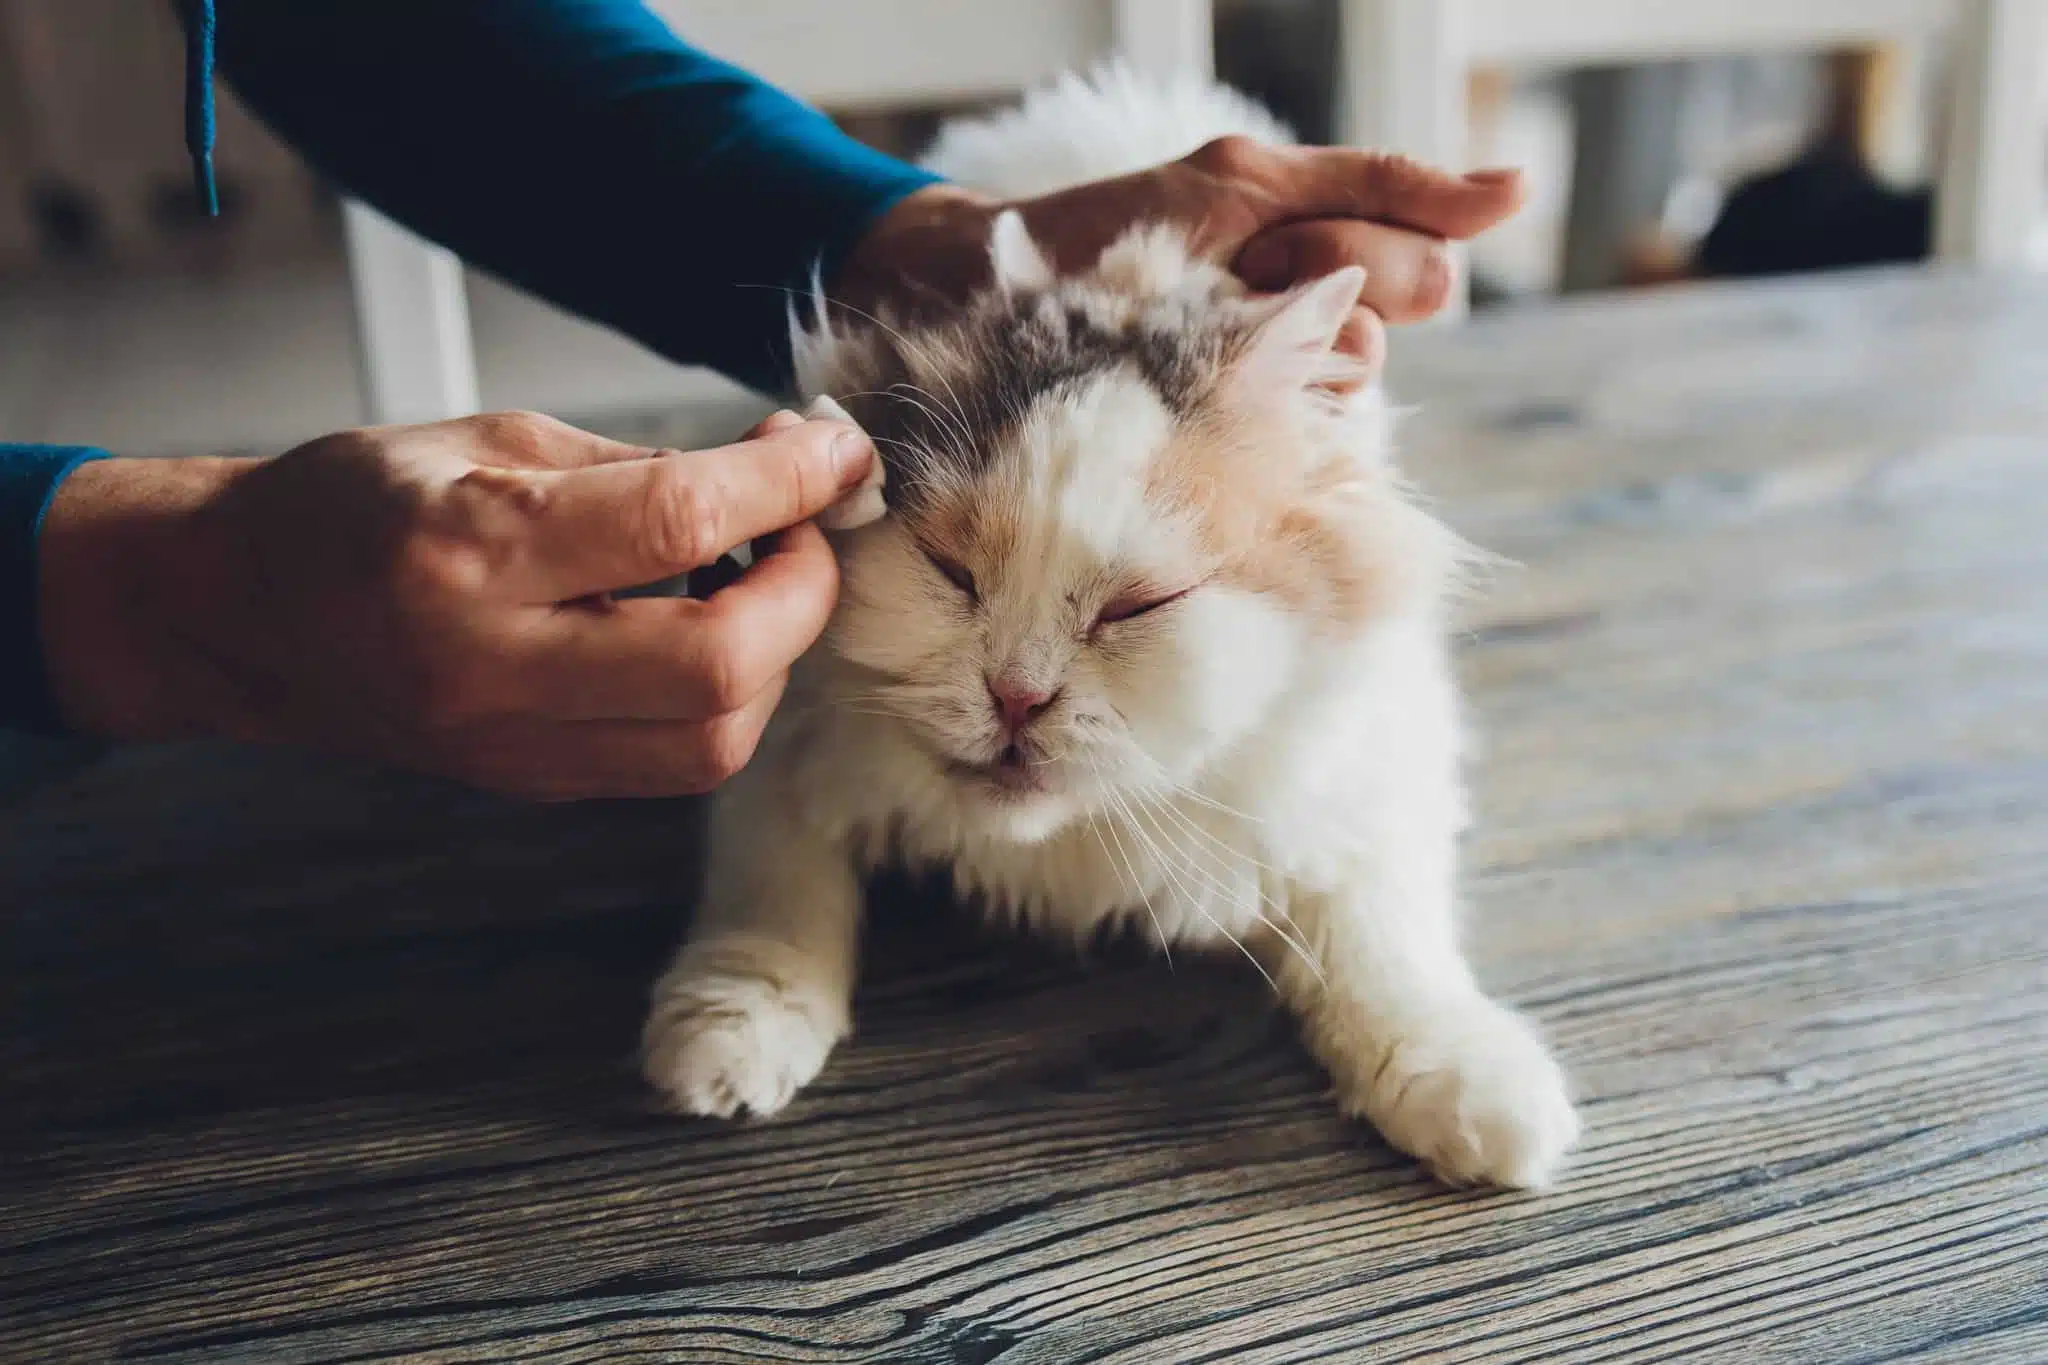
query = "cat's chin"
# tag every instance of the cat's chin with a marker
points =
(1015, 811)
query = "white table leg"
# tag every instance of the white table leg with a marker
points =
(1991, 190)
(412, 323)
(1165, 37)
(1404, 64)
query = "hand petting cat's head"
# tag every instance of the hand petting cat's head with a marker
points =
(1126, 510)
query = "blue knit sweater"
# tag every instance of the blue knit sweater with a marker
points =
(577, 148)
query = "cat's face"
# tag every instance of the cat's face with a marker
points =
(1120, 512)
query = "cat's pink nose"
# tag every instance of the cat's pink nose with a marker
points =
(1017, 703)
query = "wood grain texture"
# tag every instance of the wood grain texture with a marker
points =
(302, 1064)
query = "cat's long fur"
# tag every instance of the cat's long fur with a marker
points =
(1269, 755)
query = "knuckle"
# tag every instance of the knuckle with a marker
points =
(483, 486)
(1233, 154)
(517, 429)
(685, 523)
(486, 521)
(805, 469)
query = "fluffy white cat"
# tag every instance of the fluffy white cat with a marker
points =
(1149, 631)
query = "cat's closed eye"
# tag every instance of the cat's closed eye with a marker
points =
(954, 572)
(1134, 605)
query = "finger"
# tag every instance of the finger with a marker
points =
(617, 526)
(1393, 189)
(758, 625)
(1408, 275)
(1293, 183)
(548, 761)
(709, 579)
(671, 658)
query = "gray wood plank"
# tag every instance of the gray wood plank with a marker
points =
(306, 1064)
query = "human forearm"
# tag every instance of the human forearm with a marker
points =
(579, 149)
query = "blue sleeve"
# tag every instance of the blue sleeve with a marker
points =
(577, 148)
(29, 476)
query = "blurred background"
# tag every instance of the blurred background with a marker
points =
(1666, 141)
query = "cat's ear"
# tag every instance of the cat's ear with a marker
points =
(1020, 267)
(1294, 346)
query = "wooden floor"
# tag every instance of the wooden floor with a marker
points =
(308, 1065)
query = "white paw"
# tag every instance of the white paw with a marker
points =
(1475, 1094)
(719, 1044)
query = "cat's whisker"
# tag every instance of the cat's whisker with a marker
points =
(879, 712)
(819, 299)
(956, 421)
(1130, 872)
(929, 461)
(1194, 903)
(1278, 923)
(908, 696)
(916, 398)
(1169, 797)
(1126, 875)
(1166, 781)
(1145, 846)
(894, 704)
(1282, 922)
(1195, 868)
(1285, 922)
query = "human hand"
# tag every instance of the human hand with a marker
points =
(438, 597)
(1279, 215)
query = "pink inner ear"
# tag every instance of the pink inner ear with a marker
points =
(1295, 346)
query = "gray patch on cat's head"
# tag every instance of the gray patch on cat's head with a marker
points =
(949, 397)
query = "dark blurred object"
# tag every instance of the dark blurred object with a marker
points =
(67, 220)
(1283, 53)
(1825, 211)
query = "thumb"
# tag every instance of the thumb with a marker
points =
(1286, 184)
(617, 526)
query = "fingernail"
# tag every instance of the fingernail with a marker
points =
(851, 455)
(1494, 175)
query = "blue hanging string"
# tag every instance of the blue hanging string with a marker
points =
(199, 103)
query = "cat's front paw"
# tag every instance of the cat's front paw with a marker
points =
(720, 1043)
(1474, 1094)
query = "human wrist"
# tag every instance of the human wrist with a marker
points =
(932, 244)
(132, 574)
